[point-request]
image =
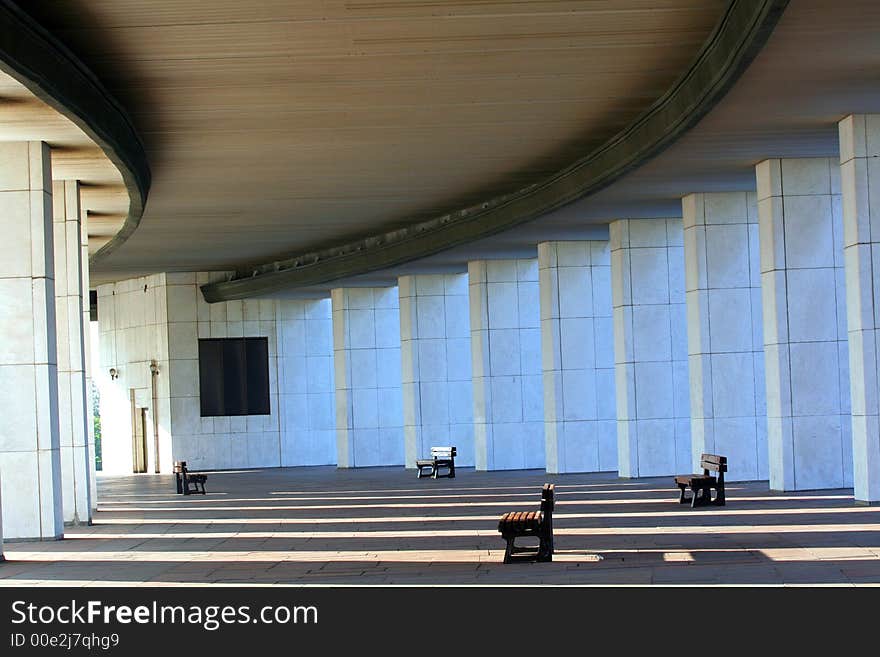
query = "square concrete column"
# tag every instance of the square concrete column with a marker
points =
(577, 352)
(860, 180)
(805, 337)
(725, 336)
(366, 358)
(435, 352)
(30, 459)
(506, 357)
(73, 407)
(305, 382)
(87, 363)
(650, 347)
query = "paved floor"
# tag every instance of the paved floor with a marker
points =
(383, 526)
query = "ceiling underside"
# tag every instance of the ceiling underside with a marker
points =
(288, 126)
(75, 156)
(821, 63)
(285, 127)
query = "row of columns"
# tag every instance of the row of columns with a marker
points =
(46, 455)
(744, 328)
(786, 384)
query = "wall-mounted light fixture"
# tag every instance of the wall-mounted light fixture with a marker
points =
(154, 368)
(113, 373)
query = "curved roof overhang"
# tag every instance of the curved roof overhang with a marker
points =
(740, 34)
(41, 64)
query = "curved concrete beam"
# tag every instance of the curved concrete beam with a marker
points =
(738, 37)
(57, 77)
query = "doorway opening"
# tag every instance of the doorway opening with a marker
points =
(138, 437)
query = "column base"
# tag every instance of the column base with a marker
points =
(10, 541)
(78, 523)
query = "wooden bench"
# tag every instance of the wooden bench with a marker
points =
(441, 457)
(537, 524)
(188, 482)
(701, 485)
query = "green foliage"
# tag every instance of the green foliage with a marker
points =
(96, 413)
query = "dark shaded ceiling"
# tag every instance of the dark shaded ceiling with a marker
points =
(288, 126)
(277, 127)
(821, 63)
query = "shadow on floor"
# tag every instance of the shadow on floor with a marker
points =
(383, 526)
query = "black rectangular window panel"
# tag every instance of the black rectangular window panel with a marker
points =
(234, 376)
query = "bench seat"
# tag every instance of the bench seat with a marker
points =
(691, 479)
(441, 457)
(188, 482)
(537, 524)
(519, 521)
(702, 485)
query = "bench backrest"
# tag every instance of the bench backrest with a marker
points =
(714, 463)
(547, 503)
(180, 468)
(443, 452)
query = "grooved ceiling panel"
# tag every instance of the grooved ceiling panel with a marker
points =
(278, 126)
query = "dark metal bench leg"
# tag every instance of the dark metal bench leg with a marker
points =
(702, 497)
(682, 498)
(545, 549)
(508, 550)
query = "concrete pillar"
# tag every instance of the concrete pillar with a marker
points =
(72, 398)
(506, 358)
(29, 442)
(805, 341)
(87, 363)
(305, 382)
(366, 359)
(860, 180)
(435, 353)
(577, 353)
(725, 336)
(650, 347)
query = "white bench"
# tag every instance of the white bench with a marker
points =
(441, 457)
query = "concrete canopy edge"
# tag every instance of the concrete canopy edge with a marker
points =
(740, 34)
(44, 65)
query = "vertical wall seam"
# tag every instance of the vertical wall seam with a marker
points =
(632, 421)
(710, 350)
(788, 332)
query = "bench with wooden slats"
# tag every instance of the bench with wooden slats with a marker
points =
(537, 524)
(441, 457)
(701, 485)
(188, 482)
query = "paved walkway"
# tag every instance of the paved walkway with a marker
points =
(383, 526)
